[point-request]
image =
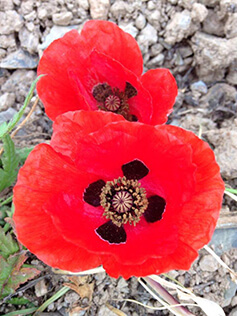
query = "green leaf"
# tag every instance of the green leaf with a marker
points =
(8, 246)
(5, 128)
(19, 301)
(23, 153)
(10, 162)
(13, 273)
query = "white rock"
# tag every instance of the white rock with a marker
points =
(42, 13)
(84, 4)
(213, 55)
(231, 26)
(180, 27)
(199, 86)
(10, 22)
(6, 5)
(55, 33)
(154, 19)
(129, 28)
(156, 61)
(225, 142)
(186, 4)
(19, 60)
(29, 41)
(140, 22)
(148, 36)
(7, 41)
(232, 74)
(119, 9)
(151, 5)
(3, 53)
(26, 7)
(199, 12)
(208, 263)
(6, 100)
(99, 9)
(63, 18)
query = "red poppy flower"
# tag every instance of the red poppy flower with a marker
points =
(132, 197)
(102, 69)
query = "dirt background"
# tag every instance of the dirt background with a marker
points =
(197, 41)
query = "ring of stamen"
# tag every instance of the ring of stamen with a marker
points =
(124, 201)
(112, 103)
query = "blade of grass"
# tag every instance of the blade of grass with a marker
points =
(55, 297)
(233, 196)
(234, 191)
(233, 274)
(8, 200)
(22, 312)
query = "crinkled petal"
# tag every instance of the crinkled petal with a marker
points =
(163, 89)
(106, 37)
(43, 176)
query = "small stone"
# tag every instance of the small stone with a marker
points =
(151, 5)
(212, 24)
(6, 5)
(119, 9)
(185, 51)
(3, 53)
(208, 263)
(6, 101)
(62, 18)
(234, 301)
(225, 143)
(213, 55)
(26, 7)
(55, 33)
(42, 13)
(180, 27)
(84, 4)
(7, 115)
(186, 4)
(140, 22)
(199, 86)
(231, 26)
(19, 60)
(199, 12)
(103, 310)
(233, 312)
(210, 3)
(154, 19)
(232, 74)
(29, 41)
(147, 37)
(99, 9)
(156, 49)
(156, 61)
(41, 288)
(10, 22)
(129, 28)
(7, 41)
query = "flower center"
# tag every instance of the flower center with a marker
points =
(123, 201)
(112, 103)
(115, 100)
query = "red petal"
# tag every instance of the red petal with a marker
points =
(106, 37)
(42, 177)
(163, 89)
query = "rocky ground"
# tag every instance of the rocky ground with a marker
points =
(197, 41)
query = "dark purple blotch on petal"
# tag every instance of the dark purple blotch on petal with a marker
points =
(112, 233)
(155, 209)
(92, 193)
(130, 91)
(135, 170)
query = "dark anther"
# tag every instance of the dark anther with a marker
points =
(130, 91)
(112, 233)
(92, 193)
(134, 118)
(101, 91)
(155, 209)
(135, 170)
